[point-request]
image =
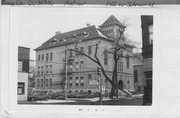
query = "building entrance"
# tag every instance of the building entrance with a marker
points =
(120, 84)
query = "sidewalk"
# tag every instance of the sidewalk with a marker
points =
(85, 101)
(56, 101)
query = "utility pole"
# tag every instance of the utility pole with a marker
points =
(65, 87)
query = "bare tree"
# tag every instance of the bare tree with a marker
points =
(117, 53)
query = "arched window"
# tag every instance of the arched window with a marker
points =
(135, 76)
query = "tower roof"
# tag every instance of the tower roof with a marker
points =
(111, 21)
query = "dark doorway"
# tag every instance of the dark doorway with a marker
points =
(120, 84)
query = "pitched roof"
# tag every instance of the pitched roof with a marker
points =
(71, 37)
(111, 21)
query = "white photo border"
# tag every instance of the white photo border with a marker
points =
(9, 36)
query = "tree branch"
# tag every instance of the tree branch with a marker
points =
(99, 63)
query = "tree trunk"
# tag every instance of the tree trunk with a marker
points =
(112, 91)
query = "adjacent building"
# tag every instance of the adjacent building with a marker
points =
(139, 81)
(82, 72)
(23, 70)
(147, 53)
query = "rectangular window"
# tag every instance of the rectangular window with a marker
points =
(50, 83)
(105, 58)
(81, 62)
(42, 56)
(51, 56)
(118, 66)
(47, 56)
(127, 61)
(42, 82)
(42, 70)
(51, 67)
(77, 64)
(82, 49)
(150, 27)
(82, 81)
(39, 57)
(70, 67)
(76, 52)
(70, 53)
(46, 82)
(21, 88)
(121, 66)
(38, 70)
(70, 81)
(77, 81)
(89, 76)
(89, 50)
(47, 69)
(38, 83)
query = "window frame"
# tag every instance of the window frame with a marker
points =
(51, 56)
(47, 56)
(42, 83)
(42, 57)
(23, 88)
(135, 76)
(39, 57)
(76, 81)
(90, 50)
(105, 57)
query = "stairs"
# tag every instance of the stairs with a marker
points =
(128, 94)
(121, 93)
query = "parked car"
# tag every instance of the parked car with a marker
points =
(38, 96)
(54, 95)
(88, 95)
(61, 97)
(71, 95)
(97, 94)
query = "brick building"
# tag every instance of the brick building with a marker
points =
(82, 75)
(147, 53)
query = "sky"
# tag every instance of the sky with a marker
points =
(38, 25)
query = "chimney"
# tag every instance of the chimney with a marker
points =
(87, 24)
(57, 32)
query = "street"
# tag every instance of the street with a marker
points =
(94, 101)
